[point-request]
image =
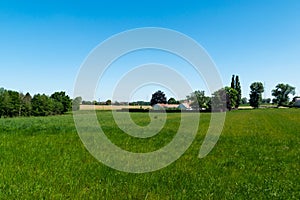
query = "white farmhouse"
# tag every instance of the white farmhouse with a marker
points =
(184, 106)
(161, 106)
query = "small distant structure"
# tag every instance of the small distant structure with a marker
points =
(184, 106)
(162, 106)
(297, 102)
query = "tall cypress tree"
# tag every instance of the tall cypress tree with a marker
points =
(235, 84)
(232, 82)
(239, 90)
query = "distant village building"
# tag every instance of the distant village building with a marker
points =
(297, 102)
(161, 106)
(184, 106)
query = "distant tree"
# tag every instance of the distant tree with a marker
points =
(143, 103)
(172, 101)
(224, 99)
(6, 104)
(26, 105)
(56, 107)
(231, 98)
(244, 100)
(133, 103)
(87, 103)
(239, 91)
(136, 103)
(158, 97)
(281, 93)
(232, 84)
(199, 100)
(4, 100)
(208, 103)
(76, 103)
(108, 102)
(9, 103)
(235, 84)
(257, 89)
(42, 105)
(1, 101)
(21, 96)
(61, 97)
(267, 100)
(219, 101)
(14, 103)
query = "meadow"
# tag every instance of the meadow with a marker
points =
(256, 157)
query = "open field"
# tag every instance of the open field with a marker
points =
(110, 107)
(256, 157)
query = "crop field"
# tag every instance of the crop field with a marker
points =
(256, 157)
(110, 107)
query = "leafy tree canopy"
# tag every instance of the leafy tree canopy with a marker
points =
(172, 101)
(235, 84)
(199, 100)
(219, 100)
(231, 97)
(76, 103)
(282, 92)
(257, 89)
(61, 97)
(108, 102)
(158, 97)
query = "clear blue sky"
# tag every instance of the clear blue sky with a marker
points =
(43, 43)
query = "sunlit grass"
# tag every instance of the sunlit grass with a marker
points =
(256, 157)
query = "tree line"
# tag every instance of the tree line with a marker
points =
(229, 97)
(13, 104)
(281, 94)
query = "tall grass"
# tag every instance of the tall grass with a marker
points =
(256, 157)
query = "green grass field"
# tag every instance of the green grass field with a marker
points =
(256, 157)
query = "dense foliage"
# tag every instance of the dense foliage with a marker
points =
(172, 101)
(158, 97)
(13, 104)
(199, 101)
(219, 100)
(235, 84)
(281, 94)
(76, 103)
(224, 99)
(257, 89)
(231, 98)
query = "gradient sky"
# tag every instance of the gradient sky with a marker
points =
(44, 43)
